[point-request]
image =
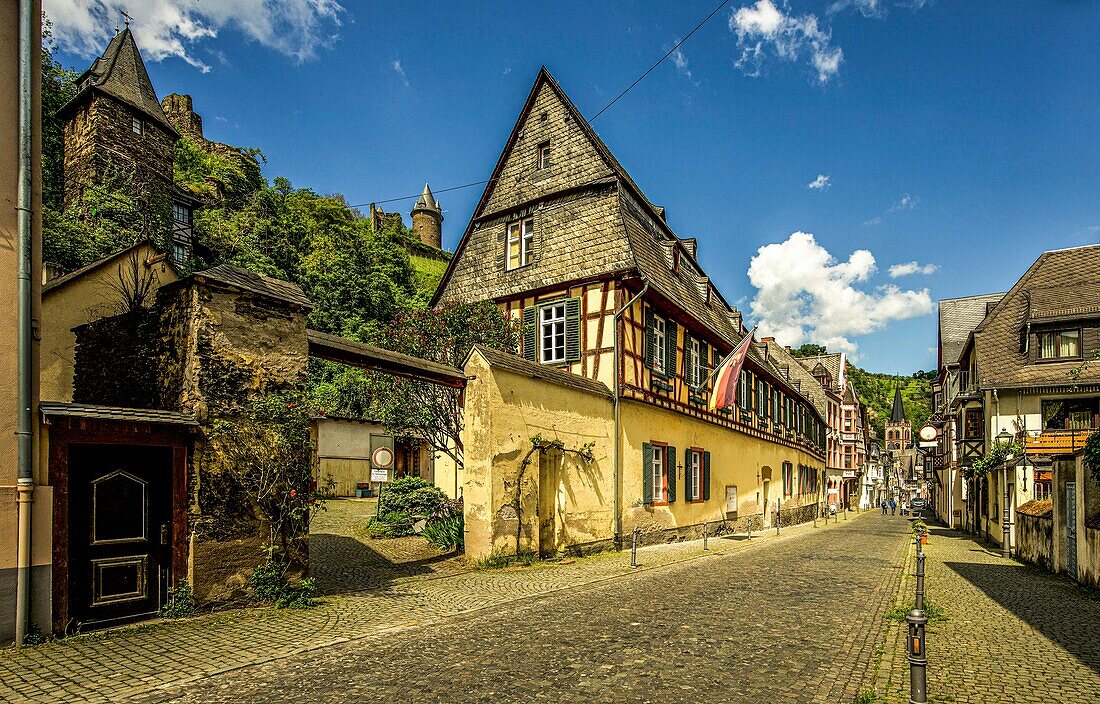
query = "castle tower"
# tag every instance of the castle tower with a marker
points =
(899, 432)
(427, 219)
(117, 136)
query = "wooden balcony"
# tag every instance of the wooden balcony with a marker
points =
(1056, 442)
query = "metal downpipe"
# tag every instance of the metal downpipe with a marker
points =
(25, 429)
(617, 459)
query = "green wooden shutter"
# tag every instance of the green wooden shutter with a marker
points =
(530, 338)
(572, 329)
(670, 340)
(670, 470)
(689, 373)
(649, 343)
(502, 248)
(647, 473)
(706, 476)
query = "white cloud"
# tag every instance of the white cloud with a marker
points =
(909, 268)
(1094, 228)
(867, 8)
(507, 70)
(877, 220)
(396, 65)
(765, 26)
(680, 61)
(821, 183)
(295, 28)
(804, 294)
(906, 202)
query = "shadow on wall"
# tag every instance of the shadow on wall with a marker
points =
(1064, 615)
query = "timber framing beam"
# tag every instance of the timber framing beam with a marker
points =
(358, 354)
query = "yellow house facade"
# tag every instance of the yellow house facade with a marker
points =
(600, 425)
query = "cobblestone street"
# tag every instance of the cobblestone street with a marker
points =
(1013, 633)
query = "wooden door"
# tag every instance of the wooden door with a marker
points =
(120, 532)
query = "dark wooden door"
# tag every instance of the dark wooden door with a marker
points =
(120, 532)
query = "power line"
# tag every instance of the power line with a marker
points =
(591, 119)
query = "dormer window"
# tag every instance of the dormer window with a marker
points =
(521, 243)
(543, 156)
(137, 125)
(1060, 344)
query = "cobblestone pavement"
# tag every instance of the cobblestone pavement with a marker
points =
(344, 559)
(1013, 633)
(798, 621)
(162, 658)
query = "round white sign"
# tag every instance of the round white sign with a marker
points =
(928, 433)
(382, 457)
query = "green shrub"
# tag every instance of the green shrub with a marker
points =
(934, 613)
(181, 602)
(446, 529)
(269, 584)
(412, 496)
(499, 560)
(392, 524)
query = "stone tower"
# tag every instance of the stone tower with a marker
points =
(116, 131)
(427, 219)
(899, 433)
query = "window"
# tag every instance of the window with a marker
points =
(1071, 414)
(761, 398)
(788, 478)
(696, 372)
(1060, 344)
(974, 422)
(552, 333)
(660, 345)
(543, 156)
(694, 478)
(179, 254)
(181, 213)
(137, 125)
(521, 241)
(744, 390)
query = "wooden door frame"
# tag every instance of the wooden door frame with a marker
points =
(65, 431)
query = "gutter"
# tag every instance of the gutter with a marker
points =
(25, 422)
(617, 461)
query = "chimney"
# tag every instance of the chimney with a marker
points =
(767, 339)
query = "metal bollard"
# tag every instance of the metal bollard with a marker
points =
(918, 658)
(705, 548)
(634, 548)
(920, 577)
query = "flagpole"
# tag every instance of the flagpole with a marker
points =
(710, 377)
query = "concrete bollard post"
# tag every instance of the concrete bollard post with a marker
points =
(634, 548)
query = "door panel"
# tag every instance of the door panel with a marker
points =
(119, 523)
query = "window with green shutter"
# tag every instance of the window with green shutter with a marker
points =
(647, 473)
(671, 334)
(529, 335)
(670, 473)
(552, 331)
(706, 475)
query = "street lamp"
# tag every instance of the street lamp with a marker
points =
(1006, 549)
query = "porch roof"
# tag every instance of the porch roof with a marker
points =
(358, 354)
(138, 415)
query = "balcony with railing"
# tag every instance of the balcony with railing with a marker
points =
(1056, 442)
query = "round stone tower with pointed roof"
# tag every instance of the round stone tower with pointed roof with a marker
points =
(427, 219)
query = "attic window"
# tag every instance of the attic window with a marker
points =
(544, 117)
(543, 158)
(703, 284)
(670, 254)
(137, 125)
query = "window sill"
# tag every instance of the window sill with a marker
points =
(657, 503)
(698, 501)
(660, 385)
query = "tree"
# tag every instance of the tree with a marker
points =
(809, 350)
(444, 334)
(58, 88)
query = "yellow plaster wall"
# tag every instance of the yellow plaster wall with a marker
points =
(88, 297)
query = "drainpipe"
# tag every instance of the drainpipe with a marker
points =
(24, 432)
(617, 459)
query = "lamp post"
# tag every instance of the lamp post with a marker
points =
(1006, 549)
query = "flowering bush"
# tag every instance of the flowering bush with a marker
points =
(446, 527)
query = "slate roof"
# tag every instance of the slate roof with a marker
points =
(519, 365)
(958, 318)
(53, 284)
(142, 415)
(1062, 284)
(426, 201)
(897, 412)
(834, 365)
(234, 276)
(359, 354)
(120, 73)
(786, 365)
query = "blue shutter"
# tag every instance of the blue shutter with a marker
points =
(706, 476)
(670, 470)
(530, 338)
(572, 329)
(647, 473)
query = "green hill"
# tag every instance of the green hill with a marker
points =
(877, 392)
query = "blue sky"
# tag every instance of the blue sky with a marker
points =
(958, 135)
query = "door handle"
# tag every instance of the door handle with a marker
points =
(163, 533)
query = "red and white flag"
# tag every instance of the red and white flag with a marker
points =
(727, 374)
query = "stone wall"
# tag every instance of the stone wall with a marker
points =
(1035, 533)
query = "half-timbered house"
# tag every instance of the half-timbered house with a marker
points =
(566, 243)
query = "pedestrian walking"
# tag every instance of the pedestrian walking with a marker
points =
(884, 507)
(893, 507)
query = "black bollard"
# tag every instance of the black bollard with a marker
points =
(705, 548)
(634, 548)
(918, 659)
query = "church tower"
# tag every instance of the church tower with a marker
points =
(899, 432)
(116, 136)
(427, 219)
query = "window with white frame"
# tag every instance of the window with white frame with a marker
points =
(521, 240)
(544, 156)
(695, 475)
(660, 349)
(696, 373)
(657, 470)
(552, 333)
(137, 125)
